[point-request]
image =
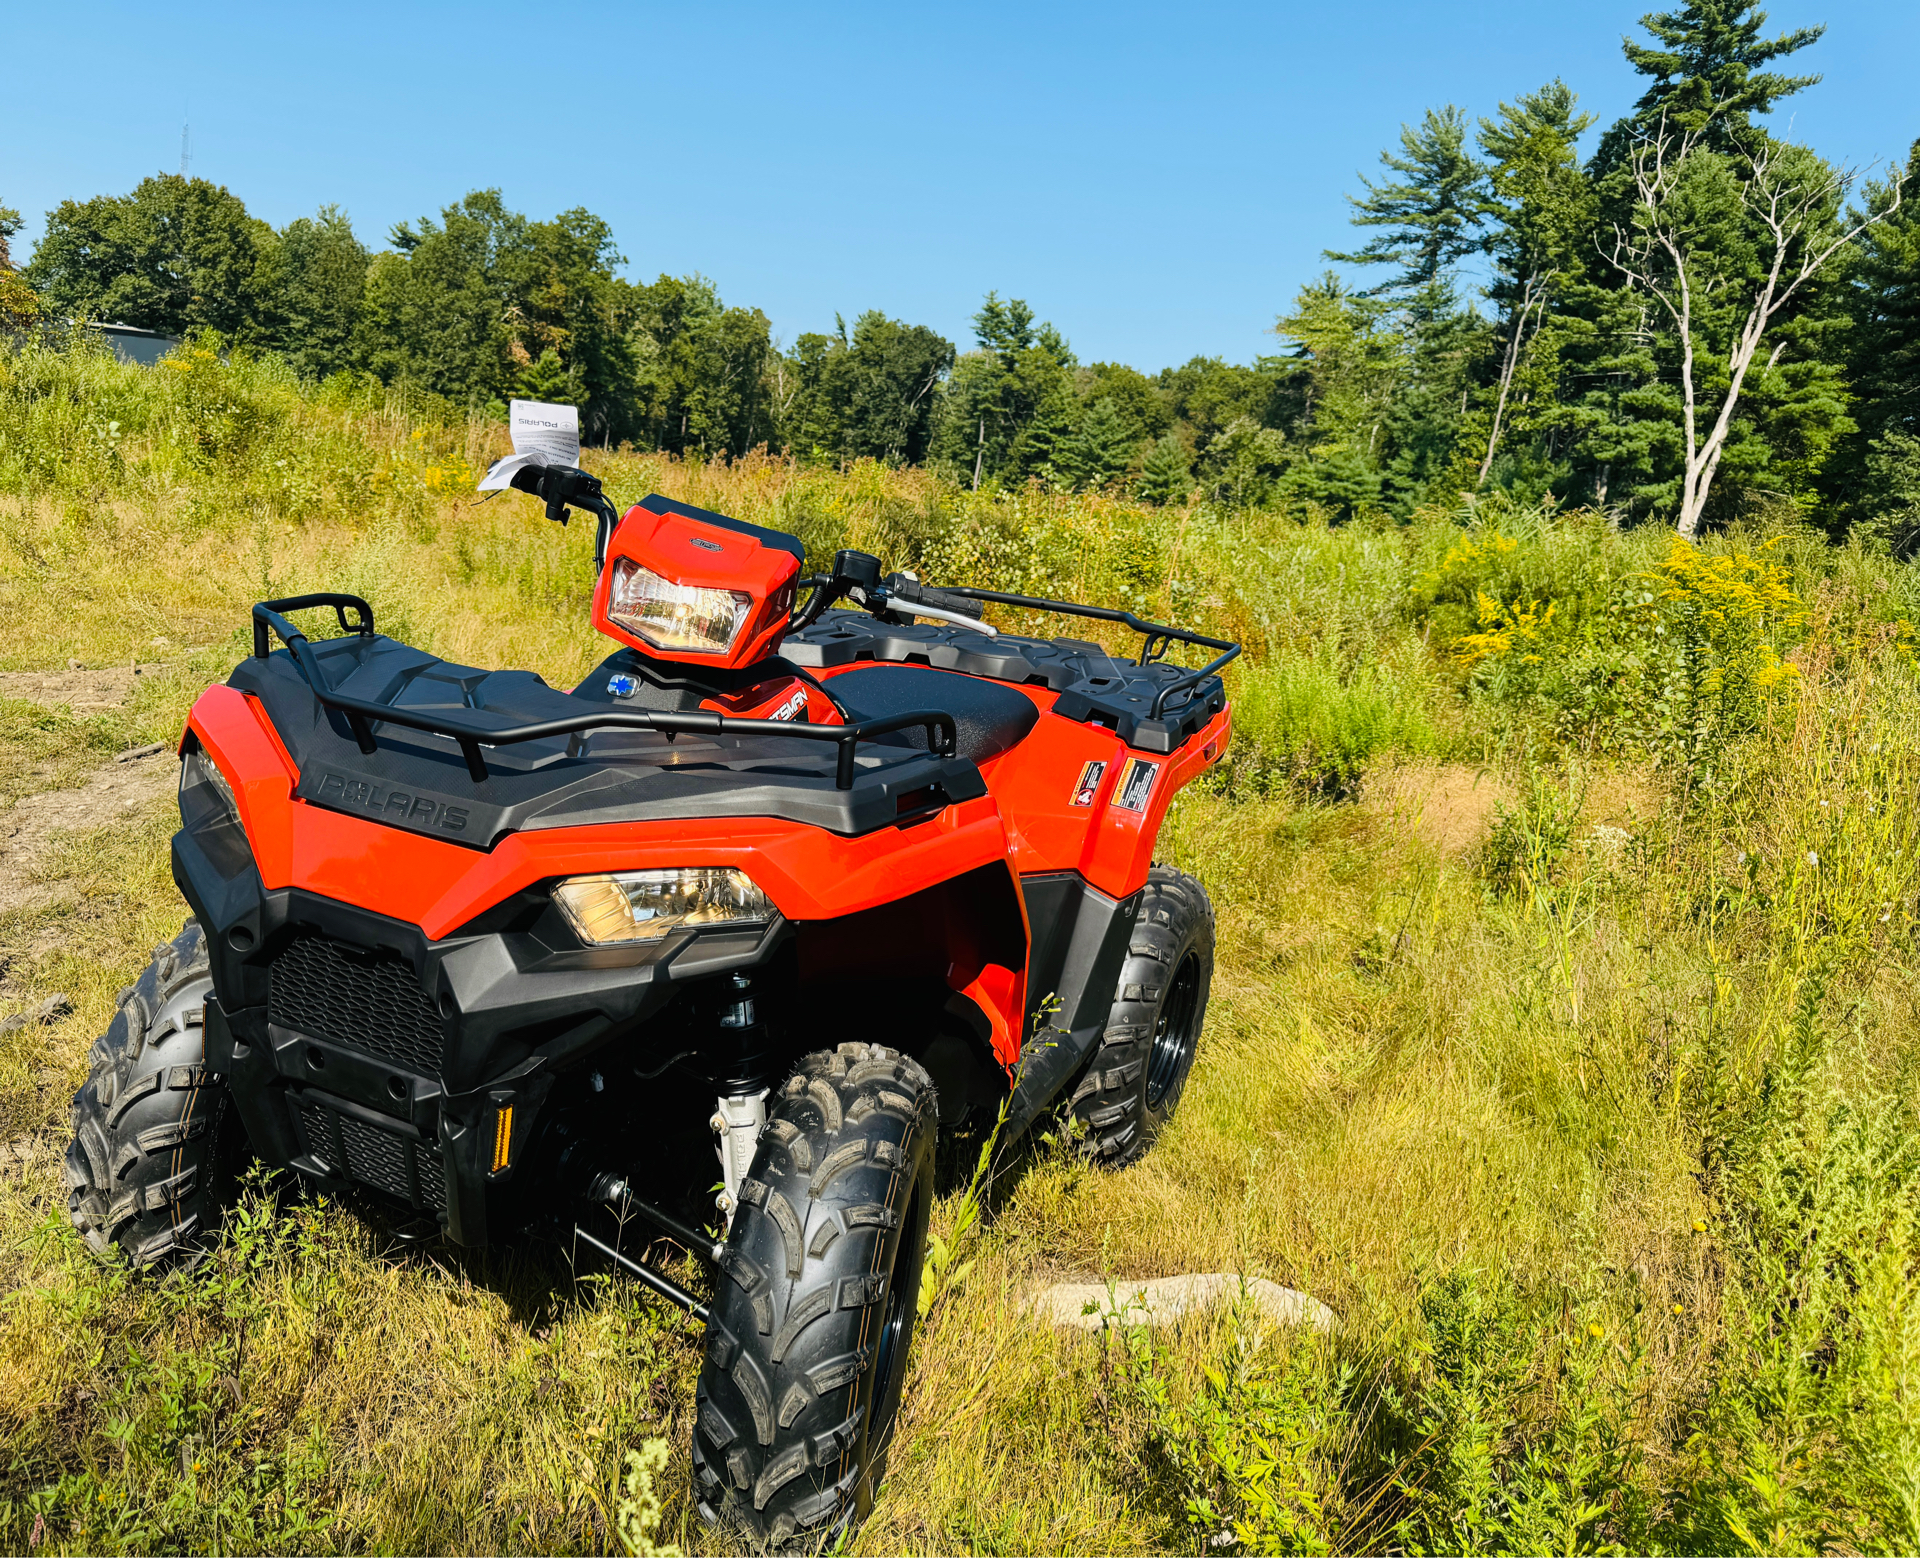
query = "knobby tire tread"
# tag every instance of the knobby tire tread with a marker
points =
(150, 1168)
(790, 1379)
(1110, 1101)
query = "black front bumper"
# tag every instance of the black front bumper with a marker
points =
(358, 1051)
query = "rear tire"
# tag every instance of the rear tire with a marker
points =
(1137, 1074)
(817, 1293)
(156, 1140)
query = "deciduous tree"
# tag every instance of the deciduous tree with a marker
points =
(868, 393)
(175, 255)
(19, 304)
(1736, 236)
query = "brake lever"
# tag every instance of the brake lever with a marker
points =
(904, 602)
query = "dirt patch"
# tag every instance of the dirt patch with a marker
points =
(1446, 806)
(1621, 798)
(83, 689)
(27, 828)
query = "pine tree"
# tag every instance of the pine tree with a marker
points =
(1707, 63)
(1100, 448)
(1623, 364)
(1546, 210)
(1878, 473)
(548, 380)
(1887, 294)
(1432, 215)
(1709, 70)
(1167, 476)
(1009, 407)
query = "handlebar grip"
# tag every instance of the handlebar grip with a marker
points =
(902, 588)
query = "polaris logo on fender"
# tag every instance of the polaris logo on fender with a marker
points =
(397, 806)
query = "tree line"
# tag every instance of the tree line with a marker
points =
(482, 304)
(1697, 319)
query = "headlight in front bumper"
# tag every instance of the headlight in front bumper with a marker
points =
(629, 906)
(205, 795)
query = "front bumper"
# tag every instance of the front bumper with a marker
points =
(358, 1051)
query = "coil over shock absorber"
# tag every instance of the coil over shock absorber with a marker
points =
(742, 1106)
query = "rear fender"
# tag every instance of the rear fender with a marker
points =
(1077, 798)
(1134, 804)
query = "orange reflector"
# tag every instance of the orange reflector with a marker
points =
(502, 1137)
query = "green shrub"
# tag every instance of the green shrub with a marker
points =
(1299, 724)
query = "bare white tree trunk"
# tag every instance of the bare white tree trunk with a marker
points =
(1533, 294)
(1657, 256)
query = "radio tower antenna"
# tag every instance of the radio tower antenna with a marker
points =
(185, 158)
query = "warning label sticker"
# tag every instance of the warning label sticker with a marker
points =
(1137, 785)
(1089, 785)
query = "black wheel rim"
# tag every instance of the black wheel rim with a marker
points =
(890, 1350)
(1173, 1034)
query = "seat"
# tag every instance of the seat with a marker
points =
(989, 718)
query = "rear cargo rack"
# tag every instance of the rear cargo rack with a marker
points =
(1158, 636)
(942, 732)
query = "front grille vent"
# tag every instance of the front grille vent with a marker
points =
(374, 1156)
(366, 1001)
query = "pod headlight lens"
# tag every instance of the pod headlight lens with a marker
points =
(676, 616)
(629, 906)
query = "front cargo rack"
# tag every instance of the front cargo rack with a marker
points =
(361, 714)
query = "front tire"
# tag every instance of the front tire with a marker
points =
(1137, 1074)
(817, 1294)
(155, 1138)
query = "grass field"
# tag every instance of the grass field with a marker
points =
(1562, 1038)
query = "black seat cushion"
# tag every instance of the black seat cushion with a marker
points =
(988, 717)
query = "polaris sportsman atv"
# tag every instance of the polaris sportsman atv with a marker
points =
(812, 884)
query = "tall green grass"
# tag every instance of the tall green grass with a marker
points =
(1562, 1040)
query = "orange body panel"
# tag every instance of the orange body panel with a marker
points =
(1036, 783)
(1029, 821)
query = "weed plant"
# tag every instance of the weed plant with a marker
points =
(1561, 1039)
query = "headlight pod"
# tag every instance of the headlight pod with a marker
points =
(675, 616)
(629, 906)
(205, 795)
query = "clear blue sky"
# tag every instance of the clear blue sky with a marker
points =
(1158, 181)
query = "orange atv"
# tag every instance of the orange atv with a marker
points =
(812, 884)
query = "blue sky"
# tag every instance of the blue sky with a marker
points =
(1156, 180)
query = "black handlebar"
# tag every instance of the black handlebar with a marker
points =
(857, 575)
(561, 487)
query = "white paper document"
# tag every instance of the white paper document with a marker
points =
(542, 435)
